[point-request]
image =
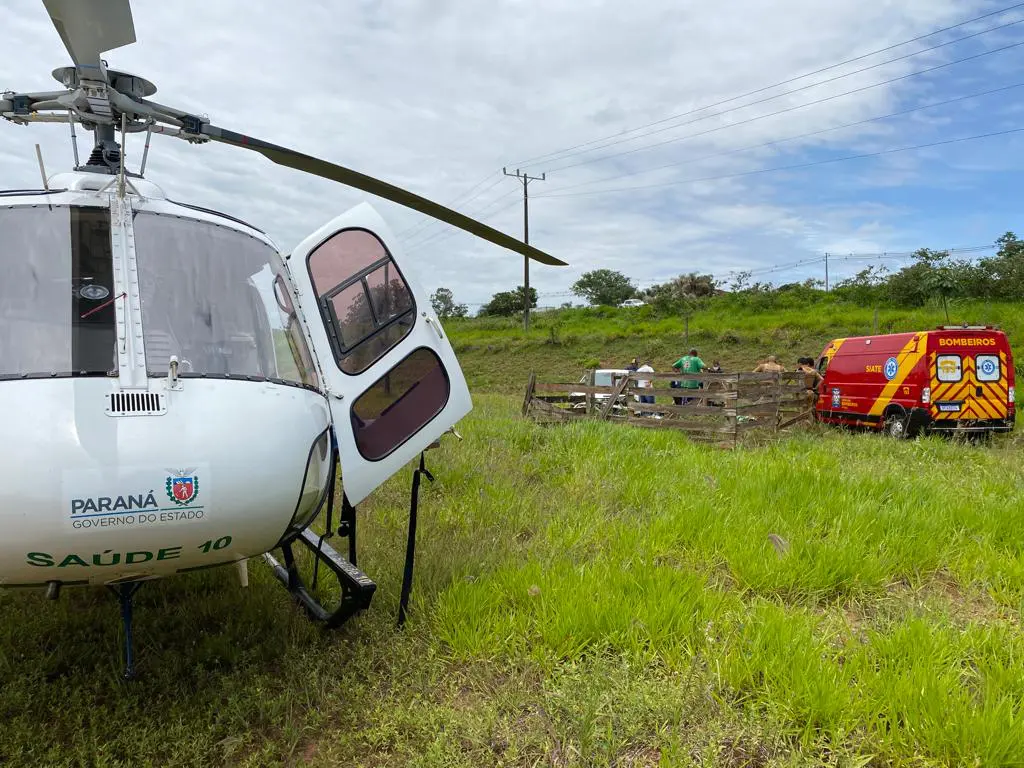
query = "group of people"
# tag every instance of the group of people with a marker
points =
(692, 363)
(688, 363)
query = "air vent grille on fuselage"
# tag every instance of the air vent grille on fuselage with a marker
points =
(135, 404)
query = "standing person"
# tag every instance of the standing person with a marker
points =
(689, 363)
(770, 365)
(645, 384)
(811, 379)
(716, 367)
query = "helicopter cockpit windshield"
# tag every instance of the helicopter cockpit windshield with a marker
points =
(56, 290)
(208, 296)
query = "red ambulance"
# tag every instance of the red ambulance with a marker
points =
(953, 378)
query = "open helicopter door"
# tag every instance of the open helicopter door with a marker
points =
(391, 376)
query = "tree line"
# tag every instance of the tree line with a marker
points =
(933, 275)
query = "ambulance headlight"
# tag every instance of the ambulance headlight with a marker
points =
(926, 395)
(314, 484)
(1010, 396)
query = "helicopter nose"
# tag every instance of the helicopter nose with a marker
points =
(149, 484)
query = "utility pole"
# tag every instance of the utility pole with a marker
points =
(526, 239)
(826, 271)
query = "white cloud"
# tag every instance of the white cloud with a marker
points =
(434, 95)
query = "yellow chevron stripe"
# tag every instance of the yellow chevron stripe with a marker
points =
(830, 352)
(983, 406)
(990, 407)
(973, 406)
(980, 407)
(999, 389)
(958, 393)
(907, 358)
(999, 408)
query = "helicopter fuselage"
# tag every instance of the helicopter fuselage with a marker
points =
(160, 410)
(92, 498)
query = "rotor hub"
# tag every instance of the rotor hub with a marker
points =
(126, 83)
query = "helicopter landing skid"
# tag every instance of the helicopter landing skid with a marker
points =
(356, 587)
(125, 591)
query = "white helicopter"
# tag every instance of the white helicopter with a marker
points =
(177, 395)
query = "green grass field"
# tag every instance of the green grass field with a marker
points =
(585, 595)
(498, 356)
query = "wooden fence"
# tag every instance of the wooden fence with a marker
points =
(725, 407)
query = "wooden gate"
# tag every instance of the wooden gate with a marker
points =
(722, 408)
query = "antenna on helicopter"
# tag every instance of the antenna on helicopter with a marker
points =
(42, 169)
(74, 139)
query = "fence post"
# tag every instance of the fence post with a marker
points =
(529, 392)
(734, 419)
(610, 404)
(875, 324)
(591, 377)
(778, 400)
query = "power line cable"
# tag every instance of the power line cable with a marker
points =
(550, 155)
(443, 234)
(406, 234)
(780, 111)
(690, 161)
(475, 213)
(796, 166)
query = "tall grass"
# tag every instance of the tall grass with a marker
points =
(587, 594)
(880, 631)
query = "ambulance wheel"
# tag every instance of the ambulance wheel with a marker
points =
(895, 424)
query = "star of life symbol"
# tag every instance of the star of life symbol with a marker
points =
(892, 367)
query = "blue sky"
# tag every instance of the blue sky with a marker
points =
(437, 96)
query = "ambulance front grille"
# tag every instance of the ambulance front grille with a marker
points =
(135, 404)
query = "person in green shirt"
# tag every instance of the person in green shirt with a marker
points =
(689, 363)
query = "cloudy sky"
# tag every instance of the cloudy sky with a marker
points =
(656, 161)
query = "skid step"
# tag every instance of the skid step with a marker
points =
(356, 587)
(358, 581)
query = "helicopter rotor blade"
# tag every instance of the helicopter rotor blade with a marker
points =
(90, 27)
(301, 162)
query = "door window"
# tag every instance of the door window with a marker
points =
(948, 368)
(365, 303)
(988, 367)
(399, 404)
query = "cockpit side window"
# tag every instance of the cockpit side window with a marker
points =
(365, 303)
